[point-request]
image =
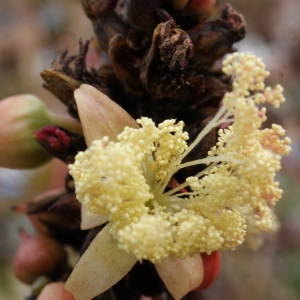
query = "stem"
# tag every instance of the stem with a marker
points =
(207, 160)
(213, 123)
(66, 122)
(173, 200)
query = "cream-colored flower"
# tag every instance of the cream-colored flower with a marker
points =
(124, 182)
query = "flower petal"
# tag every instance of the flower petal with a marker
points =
(88, 222)
(99, 115)
(180, 276)
(102, 265)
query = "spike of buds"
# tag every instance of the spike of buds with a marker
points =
(36, 256)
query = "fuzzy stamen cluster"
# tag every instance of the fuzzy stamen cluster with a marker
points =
(127, 179)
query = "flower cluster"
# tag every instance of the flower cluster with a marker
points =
(128, 179)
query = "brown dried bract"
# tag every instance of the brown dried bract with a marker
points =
(146, 15)
(58, 216)
(126, 66)
(105, 20)
(213, 39)
(63, 87)
(176, 47)
(163, 68)
(62, 79)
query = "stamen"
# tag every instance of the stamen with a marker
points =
(175, 166)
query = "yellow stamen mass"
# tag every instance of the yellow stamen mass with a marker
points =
(127, 179)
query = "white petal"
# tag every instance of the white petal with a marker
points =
(180, 276)
(102, 265)
(88, 222)
(99, 115)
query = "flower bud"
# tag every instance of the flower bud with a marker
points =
(60, 143)
(21, 116)
(36, 256)
(55, 291)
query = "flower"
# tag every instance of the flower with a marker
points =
(127, 181)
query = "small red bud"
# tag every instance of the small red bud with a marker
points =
(36, 256)
(53, 137)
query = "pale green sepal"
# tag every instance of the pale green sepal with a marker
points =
(99, 115)
(101, 266)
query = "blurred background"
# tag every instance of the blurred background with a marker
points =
(34, 32)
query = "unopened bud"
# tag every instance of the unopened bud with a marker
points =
(55, 291)
(21, 116)
(60, 143)
(36, 256)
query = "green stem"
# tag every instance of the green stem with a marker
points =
(66, 122)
